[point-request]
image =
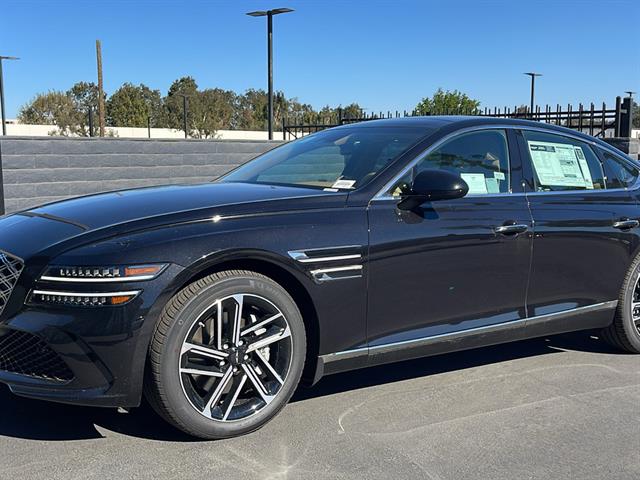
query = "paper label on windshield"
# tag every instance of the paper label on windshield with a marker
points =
(559, 164)
(343, 184)
(476, 182)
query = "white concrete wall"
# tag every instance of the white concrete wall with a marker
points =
(635, 133)
(20, 130)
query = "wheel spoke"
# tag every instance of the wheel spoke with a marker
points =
(237, 318)
(214, 398)
(261, 324)
(253, 376)
(218, 332)
(203, 351)
(230, 401)
(268, 366)
(263, 342)
(199, 371)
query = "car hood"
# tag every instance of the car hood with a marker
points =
(114, 208)
(92, 217)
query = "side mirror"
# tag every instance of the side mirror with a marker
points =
(432, 185)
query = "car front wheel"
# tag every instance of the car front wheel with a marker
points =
(226, 355)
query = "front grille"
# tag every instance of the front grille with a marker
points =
(26, 354)
(10, 269)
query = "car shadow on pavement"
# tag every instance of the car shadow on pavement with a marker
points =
(37, 420)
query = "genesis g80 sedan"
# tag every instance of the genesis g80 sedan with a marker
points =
(359, 245)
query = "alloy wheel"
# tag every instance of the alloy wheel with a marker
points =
(635, 305)
(235, 357)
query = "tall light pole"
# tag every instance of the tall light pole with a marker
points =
(533, 76)
(4, 126)
(269, 14)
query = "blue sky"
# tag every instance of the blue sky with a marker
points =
(386, 55)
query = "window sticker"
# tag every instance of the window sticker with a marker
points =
(558, 164)
(499, 176)
(343, 184)
(584, 166)
(476, 182)
(492, 185)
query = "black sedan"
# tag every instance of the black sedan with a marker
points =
(359, 245)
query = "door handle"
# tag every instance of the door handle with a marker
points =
(512, 229)
(626, 224)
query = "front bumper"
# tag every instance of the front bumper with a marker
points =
(82, 355)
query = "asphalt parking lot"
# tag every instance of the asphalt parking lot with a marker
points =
(562, 407)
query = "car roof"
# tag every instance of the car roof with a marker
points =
(454, 122)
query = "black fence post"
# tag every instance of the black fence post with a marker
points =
(2, 211)
(626, 118)
(148, 126)
(618, 119)
(90, 122)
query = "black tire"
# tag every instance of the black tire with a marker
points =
(624, 333)
(164, 380)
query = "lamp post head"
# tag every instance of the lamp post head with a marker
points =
(264, 13)
(532, 74)
(277, 11)
(2, 57)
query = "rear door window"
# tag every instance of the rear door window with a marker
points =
(561, 163)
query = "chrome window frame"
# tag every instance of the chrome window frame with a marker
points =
(383, 195)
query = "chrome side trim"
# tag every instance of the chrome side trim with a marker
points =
(87, 294)
(334, 254)
(139, 278)
(335, 269)
(420, 342)
(345, 355)
(381, 195)
(325, 274)
(303, 258)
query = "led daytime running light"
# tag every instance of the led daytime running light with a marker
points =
(131, 273)
(79, 299)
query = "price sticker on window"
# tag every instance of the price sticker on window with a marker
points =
(560, 165)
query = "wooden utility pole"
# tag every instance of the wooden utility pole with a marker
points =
(101, 115)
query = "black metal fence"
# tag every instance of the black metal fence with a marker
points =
(600, 121)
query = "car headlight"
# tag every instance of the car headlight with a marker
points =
(127, 273)
(81, 299)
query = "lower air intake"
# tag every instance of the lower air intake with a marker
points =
(26, 354)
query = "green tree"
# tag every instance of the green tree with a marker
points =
(133, 105)
(216, 111)
(252, 110)
(353, 110)
(297, 111)
(174, 103)
(446, 102)
(51, 108)
(84, 96)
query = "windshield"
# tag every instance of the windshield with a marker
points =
(342, 158)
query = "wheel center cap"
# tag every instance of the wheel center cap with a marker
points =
(236, 356)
